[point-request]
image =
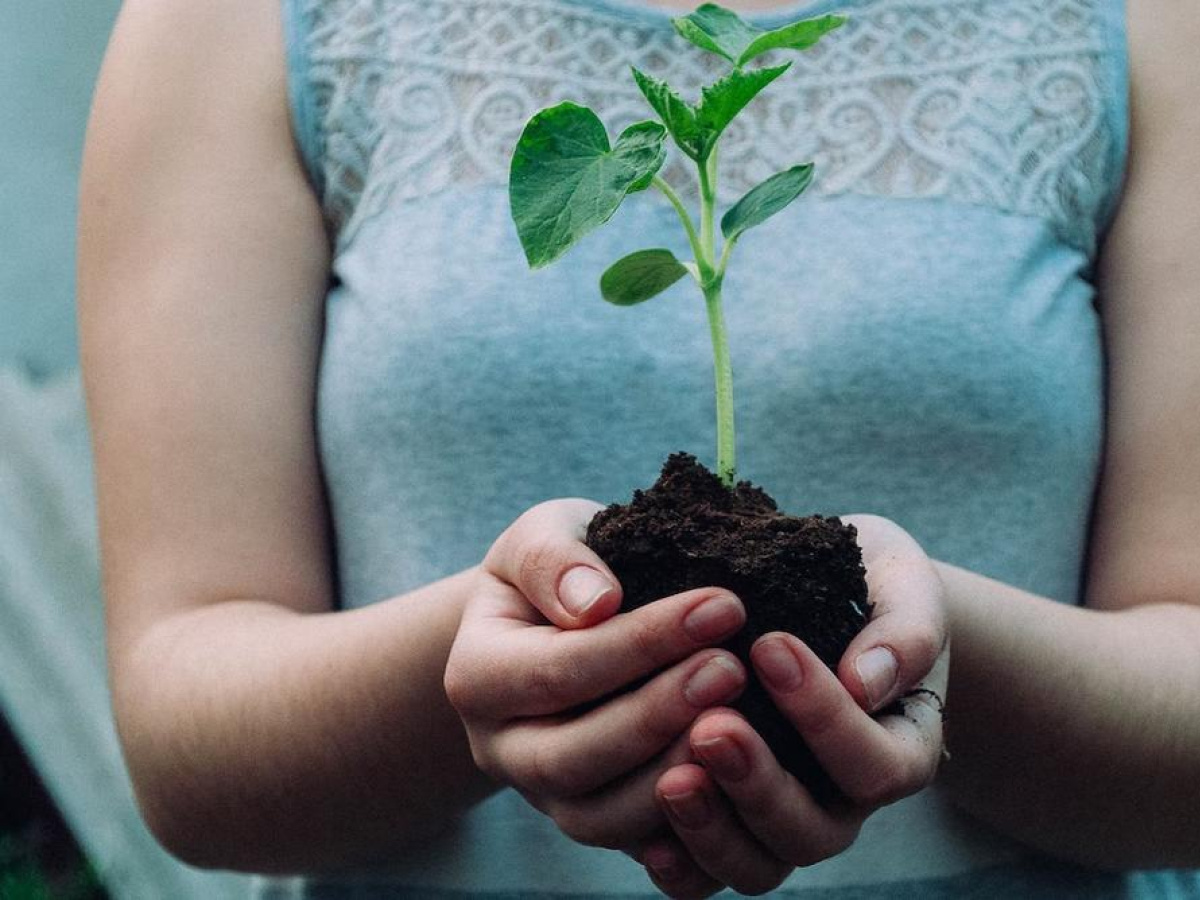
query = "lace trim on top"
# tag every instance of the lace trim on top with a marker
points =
(994, 103)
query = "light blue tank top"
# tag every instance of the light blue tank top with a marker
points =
(917, 337)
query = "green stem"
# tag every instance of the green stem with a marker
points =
(708, 192)
(722, 366)
(686, 219)
(723, 369)
(725, 251)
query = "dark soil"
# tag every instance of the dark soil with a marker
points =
(801, 575)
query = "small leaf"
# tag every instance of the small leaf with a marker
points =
(764, 200)
(728, 96)
(640, 276)
(717, 30)
(797, 36)
(678, 115)
(565, 179)
(727, 34)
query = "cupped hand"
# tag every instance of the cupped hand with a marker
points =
(738, 818)
(539, 646)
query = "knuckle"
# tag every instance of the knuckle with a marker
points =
(501, 549)
(647, 640)
(925, 646)
(459, 687)
(874, 789)
(655, 724)
(536, 563)
(484, 761)
(821, 715)
(549, 772)
(553, 683)
(887, 784)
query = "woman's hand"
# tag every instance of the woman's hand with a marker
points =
(738, 818)
(539, 646)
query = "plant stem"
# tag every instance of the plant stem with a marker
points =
(725, 251)
(708, 191)
(686, 219)
(723, 371)
(722, 366)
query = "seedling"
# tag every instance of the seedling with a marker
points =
(567, 179)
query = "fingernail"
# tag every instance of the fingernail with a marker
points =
(716, 681)
(725, 758)
(778, 666)
(717, 617)
(690, 808)
(580, 588)
(877, 668)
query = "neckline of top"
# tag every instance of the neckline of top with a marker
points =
(764, 18)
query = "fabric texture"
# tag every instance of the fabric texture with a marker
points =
(917, 338)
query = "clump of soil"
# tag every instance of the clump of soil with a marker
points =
(801, 575)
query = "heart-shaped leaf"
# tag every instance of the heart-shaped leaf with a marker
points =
(566, 180)
(797, 36)
(724, 32)
(678, 115)
(640, 276)
(728, 96)
(764, 200)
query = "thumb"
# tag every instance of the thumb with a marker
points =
(907, 632)
(543, 556)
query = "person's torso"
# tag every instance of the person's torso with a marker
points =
(916, 337)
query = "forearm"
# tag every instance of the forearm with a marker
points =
(1076, 730)
(267, 740)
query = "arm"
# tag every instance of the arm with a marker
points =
(1075, 730)
(1091, 750)
(262, 731)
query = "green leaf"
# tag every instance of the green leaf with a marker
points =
(640, 276)
(678, 115)
(763, 201)
(565, 180)
(727, 34)
(717, 30)
(696, 128)
(728, 96)
(797, 36)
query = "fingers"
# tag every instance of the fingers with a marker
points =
(675, 873)
(873, 762)
(498, 672)
(907, 630)
(772, 805)
(543, 556)
(566, 758)
(716, 839)
(623, 815)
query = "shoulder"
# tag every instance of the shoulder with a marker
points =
(230, 51)
(1164, 64)
(189, 88)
